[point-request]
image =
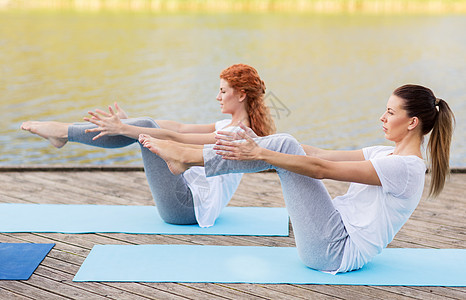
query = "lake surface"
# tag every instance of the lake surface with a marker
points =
(328, 76)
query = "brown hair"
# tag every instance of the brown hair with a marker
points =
(245, 78)
(434, 115)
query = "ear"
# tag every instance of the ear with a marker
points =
(242, 96)
(414, 123)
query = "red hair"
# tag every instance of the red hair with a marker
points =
(245, 78)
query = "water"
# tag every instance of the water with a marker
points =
(331, 74)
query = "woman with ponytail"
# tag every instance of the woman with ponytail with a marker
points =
(344, 233)
(436, 117)
(188, 198)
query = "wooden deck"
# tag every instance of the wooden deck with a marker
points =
(438, 223)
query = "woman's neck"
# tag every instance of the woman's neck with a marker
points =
(240, 116)
(409, 146)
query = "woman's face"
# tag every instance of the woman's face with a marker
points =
(396, 123)
(230, 100)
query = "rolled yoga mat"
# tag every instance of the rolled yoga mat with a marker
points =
(64, 218)
(240, 264)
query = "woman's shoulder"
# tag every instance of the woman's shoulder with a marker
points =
(400, 166)
(377, 151)
(222, 124)
(402, 176)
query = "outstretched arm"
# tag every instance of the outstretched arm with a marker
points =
(351, 171)
(186, 128)
(110, 124)
(334, 155)
(165, 134)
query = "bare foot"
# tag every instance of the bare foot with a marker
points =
(55, 132)
(171, 152)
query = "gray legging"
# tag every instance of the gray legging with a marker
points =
(171, 193)
(318, 228)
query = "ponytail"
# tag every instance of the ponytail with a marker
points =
(435, 115)
(438, 147)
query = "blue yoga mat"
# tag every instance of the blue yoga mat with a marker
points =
(270, 221)
(19, 260)
(239, 264)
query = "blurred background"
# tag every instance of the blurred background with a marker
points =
(329, 66)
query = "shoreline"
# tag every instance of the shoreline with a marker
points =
(111, 168)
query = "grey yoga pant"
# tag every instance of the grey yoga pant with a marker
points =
(171, 193)
(318, 228)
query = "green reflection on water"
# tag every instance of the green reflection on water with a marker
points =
(333, 73)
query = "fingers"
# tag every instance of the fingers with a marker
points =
(248, 130)
(228, 150)
(242, 134)
(92, 120)
(112, 113)
(94, 115)
(225, 135)
(228, 155)
(98, 112)
(103, 113)
(98, 136)
(242, 126)
(229, 135)
(93, 130)
(225, 148)
(225, 143)
(245, 128)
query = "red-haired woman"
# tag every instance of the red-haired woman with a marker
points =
(187, 198)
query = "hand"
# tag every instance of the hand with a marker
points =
(233, 149)
(107, 123)
(235, 135)
(249, 132)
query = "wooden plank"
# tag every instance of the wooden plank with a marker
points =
(266, 291)
(186, 291)
(416, 293)
(223, 290)
(97, 290)
(22, 288)
(344, 292)
(6, 294)
(295, 291)
(440, 291)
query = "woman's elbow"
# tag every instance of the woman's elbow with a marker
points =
(317, 171)
(319, 174)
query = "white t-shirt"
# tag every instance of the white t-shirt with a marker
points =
(374, 214)
(211, 195)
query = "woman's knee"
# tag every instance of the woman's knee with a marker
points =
(316, 260)
(142, 122)
(289, 144)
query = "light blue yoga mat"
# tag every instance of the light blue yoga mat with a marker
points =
(63, 218)
(19, 260)
(239, 264)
